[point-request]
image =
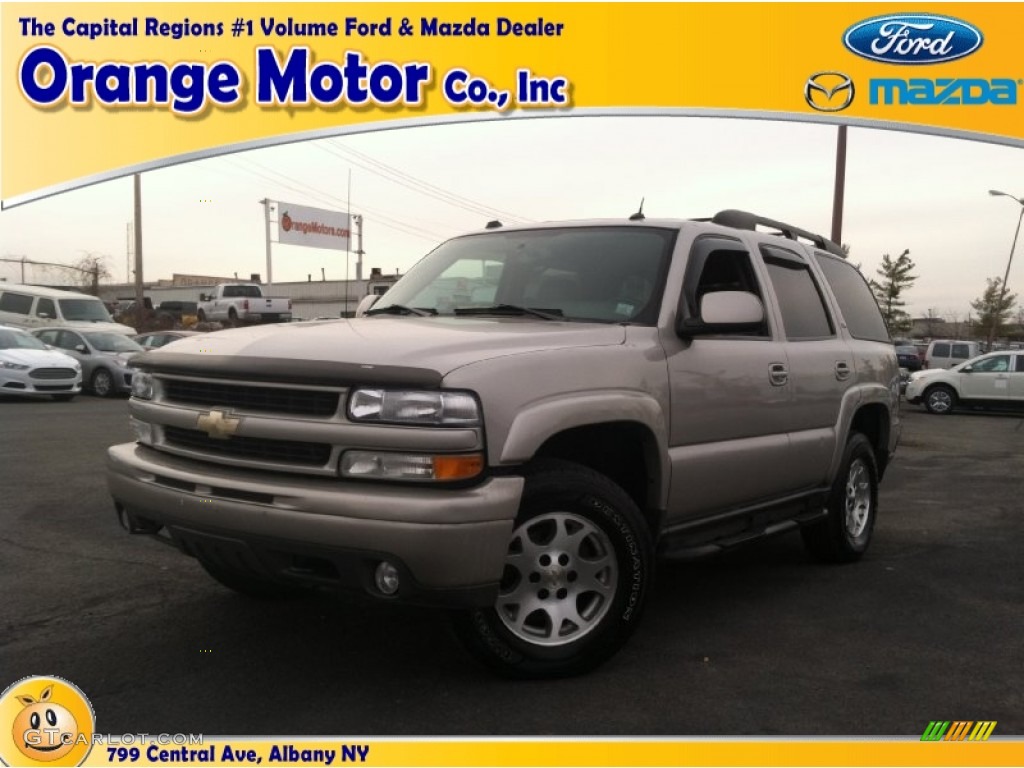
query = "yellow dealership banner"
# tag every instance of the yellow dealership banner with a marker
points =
(179, 81)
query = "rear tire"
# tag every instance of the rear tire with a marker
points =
(248, 584)
(940, 399)
(845, 533)
(577, 573)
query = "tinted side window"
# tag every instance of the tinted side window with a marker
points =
(49, 337)
(961, 351)
(803, 310)
(940, 350)
(45, 307)
(857, 303)
(18, 303)
(1020, 363)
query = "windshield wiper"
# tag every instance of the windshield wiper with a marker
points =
(511, 309)
(401, 309)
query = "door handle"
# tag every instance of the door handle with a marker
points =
(842, 371)
(777, 374)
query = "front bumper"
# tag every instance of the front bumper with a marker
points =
(449, 544)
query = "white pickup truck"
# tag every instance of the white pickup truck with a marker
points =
(240, 303)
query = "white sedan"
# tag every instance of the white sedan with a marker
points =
(29, 367)
(994, 380)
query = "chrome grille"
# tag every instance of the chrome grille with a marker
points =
(252, 448)
(52, 373)
(299, 402)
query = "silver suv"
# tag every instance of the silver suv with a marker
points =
(523, 422)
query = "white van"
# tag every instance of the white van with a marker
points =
(945, 353)
(30, 306)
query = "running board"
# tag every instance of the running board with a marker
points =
(734, 528)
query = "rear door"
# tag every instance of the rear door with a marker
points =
(1017, 380)
(820, 363)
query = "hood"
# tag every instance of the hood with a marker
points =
(100, 325)
(38, 358)
(928, 372)
(387, 349)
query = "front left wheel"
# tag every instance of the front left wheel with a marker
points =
(102, 383)
(577, 572)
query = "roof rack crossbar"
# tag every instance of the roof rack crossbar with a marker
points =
(747, 220)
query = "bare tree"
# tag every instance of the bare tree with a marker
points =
(90, 269)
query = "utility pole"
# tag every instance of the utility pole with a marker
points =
(266, 216)
(358, 219)
(139, 297)
(128, 252)
(837, 199)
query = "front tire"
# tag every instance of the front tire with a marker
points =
(102, 383)
(845, 533)
(940, 399)
(578, 570)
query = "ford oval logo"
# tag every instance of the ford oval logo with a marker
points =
(910, 38)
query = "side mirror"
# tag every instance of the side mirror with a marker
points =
(44, 315)
(365, 303)
(81, 348)
(724, 312)
(967, 369)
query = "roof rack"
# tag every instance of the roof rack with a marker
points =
(751, 221)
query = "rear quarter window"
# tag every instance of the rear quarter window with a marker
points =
(856, 301)
(18, 303)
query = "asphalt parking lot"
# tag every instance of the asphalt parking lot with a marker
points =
(758, 642)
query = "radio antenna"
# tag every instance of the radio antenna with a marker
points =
(639, 215)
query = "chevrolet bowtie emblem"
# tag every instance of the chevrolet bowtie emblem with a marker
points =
(219, 425)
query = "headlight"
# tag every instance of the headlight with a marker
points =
(384, 465)
(14, 366)
(142, 385)
(414, 407)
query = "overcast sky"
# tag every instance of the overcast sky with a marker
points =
(418, 186)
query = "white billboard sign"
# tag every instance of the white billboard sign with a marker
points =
(312, 227)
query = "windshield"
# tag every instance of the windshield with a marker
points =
(17, 340)
(611, 274)
(89, 310)
(112, 342)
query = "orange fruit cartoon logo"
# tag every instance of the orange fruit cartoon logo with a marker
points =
(286, 222)
(51, 723)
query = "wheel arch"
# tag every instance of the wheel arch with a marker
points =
(621, 436)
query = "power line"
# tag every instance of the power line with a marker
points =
(408, 181)
(306, 190)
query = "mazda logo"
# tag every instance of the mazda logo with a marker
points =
(829, 91)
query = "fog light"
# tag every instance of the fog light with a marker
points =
(386, 578)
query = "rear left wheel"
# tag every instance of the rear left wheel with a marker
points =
(845, 533)
(577, 572)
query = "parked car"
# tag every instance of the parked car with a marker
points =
(103, 356)
(523, 422)
(243, 303)
(27, 367)
(32, 306)
(160, 338)
(908, 358)
(944, 353)
(993, 380)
